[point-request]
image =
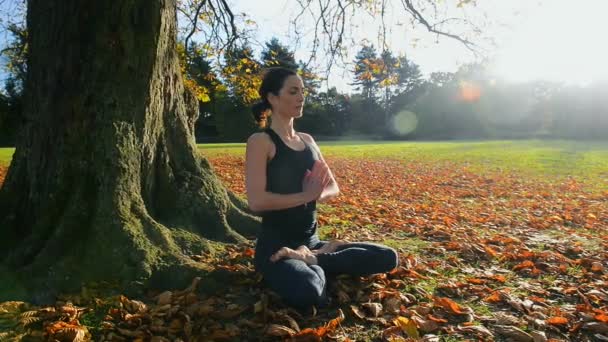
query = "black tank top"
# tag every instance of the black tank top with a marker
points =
(284, 175)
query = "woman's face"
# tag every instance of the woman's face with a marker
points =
(290, 101)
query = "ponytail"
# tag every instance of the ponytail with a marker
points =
(261, 112)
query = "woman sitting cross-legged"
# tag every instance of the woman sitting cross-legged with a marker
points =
(285, 177)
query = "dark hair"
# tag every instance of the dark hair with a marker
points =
(272, 82)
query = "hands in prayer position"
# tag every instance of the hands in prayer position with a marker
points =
(315, 181)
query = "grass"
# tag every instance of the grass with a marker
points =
(586, 160)
(6, 154)
(555, 157)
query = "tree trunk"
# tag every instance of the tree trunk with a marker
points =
(106, 183)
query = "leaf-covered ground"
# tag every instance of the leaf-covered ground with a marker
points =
(496, 255)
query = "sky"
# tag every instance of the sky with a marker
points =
(552, 40)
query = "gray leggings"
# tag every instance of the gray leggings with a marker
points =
(301, 285)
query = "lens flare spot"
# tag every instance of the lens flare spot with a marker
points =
(469, 91)
(405, 122)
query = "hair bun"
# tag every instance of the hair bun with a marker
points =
(259, 111)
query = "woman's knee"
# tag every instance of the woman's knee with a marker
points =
(306, 291)
(390, 258)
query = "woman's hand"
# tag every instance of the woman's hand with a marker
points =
(316, 180)
(300, 253)
(329, 247)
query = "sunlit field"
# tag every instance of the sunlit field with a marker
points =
(499, 240)
(585, 161)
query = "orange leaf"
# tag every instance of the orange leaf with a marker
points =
(307, 334)
(448, 305)
(602, 318)
(436, 319)
(499, 278)
(476, 281)
(249, 252)
(493, 298)
(523, 265)
(557, 320)
(490, 251)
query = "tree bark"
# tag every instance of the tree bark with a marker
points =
(106, 183)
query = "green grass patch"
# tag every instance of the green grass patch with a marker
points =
(6, 155)
(588, 161)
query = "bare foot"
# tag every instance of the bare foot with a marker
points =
(300, 253)
(329, 247)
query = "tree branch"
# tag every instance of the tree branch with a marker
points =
(409, 7)
(194, 21)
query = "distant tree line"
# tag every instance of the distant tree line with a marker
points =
(391, 98)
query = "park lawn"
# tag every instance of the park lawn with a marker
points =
(586, 161)
(497, 240)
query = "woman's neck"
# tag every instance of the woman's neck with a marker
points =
(283, 127)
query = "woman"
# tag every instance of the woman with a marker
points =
(285, 177)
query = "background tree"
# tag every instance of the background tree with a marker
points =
(16, 69)
(276, 54)
(328, 114)
(241, 72)
(365, 67)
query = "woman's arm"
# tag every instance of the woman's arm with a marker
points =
(331, 190)
(259, 146)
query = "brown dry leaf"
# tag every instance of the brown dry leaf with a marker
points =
(358, 312)
(133, 306)
(425, 325)
(392, 304)
(375, 309)
(292, 322)
(503, 318)
(343, 297)
(220, 334)
(231, 311)
(390, 333)
(130, 333)
(66, 332)
(479, 330)
(280, 331)
(596, 327)
(513, 333)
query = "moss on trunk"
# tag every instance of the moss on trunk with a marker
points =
(106, 182)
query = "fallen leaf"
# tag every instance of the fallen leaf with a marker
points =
(557, 320)
(375, 309)
(408, 326)
(280, 331)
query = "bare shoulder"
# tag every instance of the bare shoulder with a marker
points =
(259, 138)
(307, 138)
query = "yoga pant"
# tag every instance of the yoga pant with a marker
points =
(301, 285)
